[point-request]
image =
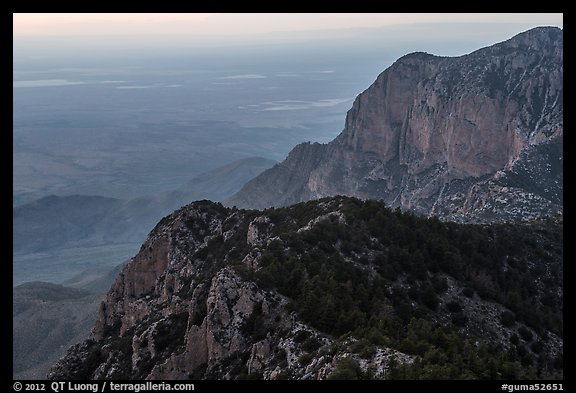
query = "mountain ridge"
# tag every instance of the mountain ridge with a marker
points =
(439, 135)
(76, 220)
(220, 293)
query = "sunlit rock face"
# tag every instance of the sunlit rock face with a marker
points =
(475, 138)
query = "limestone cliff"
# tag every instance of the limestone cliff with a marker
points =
(443, 136)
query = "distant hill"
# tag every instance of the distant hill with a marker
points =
(57, 237)
(80, 220)
(47, 319)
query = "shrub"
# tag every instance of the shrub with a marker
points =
(459, 319)
(525, 333)
(507, 318)
(454, 306)
(347, 368)
(311, 344)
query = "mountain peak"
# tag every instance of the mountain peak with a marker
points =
(418, 56)
(455, 137)
(539, 35)
(548, 41)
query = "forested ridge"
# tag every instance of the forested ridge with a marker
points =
(337, 288)
(383, 275)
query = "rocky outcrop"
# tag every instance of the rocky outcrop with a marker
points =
(443, 136)
(176, 313)
(206, 296)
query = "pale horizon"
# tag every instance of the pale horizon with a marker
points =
(234, 24)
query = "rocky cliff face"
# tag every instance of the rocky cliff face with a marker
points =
(178, 311)
(206, 297)
(443, 136)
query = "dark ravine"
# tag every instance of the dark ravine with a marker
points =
(334, 288)
(475, 138)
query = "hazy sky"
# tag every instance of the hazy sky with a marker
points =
(49, 24)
